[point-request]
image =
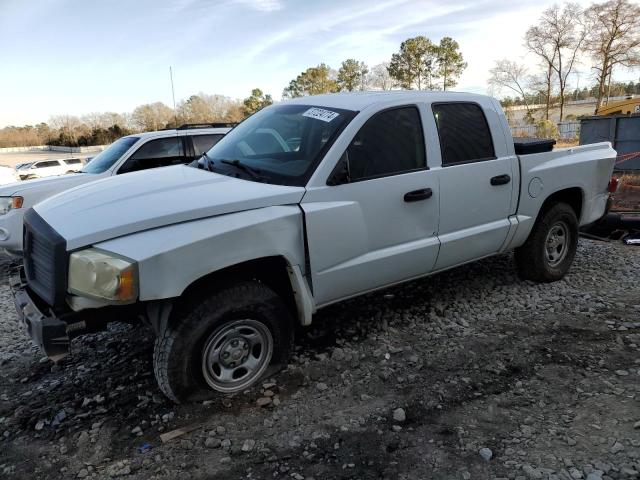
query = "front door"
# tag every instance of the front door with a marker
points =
(378, 224)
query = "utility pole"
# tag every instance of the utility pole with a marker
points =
(173, 95)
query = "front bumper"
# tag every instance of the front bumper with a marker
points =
(46, 331)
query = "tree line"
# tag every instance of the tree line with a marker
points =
(604, 36)
(101, 128)
(419, 64)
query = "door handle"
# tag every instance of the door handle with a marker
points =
(418, 195)
(500, 180)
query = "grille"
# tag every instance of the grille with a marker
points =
(45, 259)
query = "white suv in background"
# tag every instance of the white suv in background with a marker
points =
(132, 153)
(49, 168)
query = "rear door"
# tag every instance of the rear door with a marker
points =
(478, 176)
(375, 222)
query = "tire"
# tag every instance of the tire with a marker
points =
(247, 323)
(549, 251)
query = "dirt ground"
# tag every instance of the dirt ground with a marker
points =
(469, 374)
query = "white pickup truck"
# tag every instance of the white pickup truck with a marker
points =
(132, 153)
(304, 204)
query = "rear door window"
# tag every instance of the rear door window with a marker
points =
(203, 143)
(161, 152)
(464, 133)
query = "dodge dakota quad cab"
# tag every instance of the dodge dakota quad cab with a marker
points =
(141, 151)
(306, 203)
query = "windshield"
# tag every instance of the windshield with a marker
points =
(280, 144)
(105, 159)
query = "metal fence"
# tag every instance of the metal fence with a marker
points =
(566, 130)
(53, 148)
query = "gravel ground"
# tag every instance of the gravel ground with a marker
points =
(469, 374)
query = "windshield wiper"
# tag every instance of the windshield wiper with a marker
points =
(252, 172)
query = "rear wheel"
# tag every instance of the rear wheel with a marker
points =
(550, 249)
(224, 343)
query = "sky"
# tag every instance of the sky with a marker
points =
(81, 56)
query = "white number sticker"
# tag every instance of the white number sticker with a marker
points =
(320, 114)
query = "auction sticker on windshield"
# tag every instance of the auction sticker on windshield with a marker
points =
(320, 114)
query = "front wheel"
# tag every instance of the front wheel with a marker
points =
(549, 251)
(224, 343)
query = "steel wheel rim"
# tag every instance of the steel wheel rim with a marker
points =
(557, 243)
(236, 354)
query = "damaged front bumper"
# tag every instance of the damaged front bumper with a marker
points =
(47, 331)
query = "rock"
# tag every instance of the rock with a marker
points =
(83, 440)
(575, 473)
(616, 448)
(594, 476)
(321, 386)
(338, 354)
(211, 442)
(399, 415)
(531, 472)
(622, 373)
(486, 454)
(83, 473)
(263, 401)
(136, 431)
(571, 442)
(226, 443)
(629, 472)
(248, 445)
(637, 425)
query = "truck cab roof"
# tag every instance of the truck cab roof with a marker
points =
(358, 101)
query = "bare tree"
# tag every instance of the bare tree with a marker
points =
(556, 40)
(537, 43)
(613, 39)
(379, 78)
(204, 108)
(151, 116)
(510, 75)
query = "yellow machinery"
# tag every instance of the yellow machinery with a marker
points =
(628, 106)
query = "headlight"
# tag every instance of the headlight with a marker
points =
(99, 274)
(10, 203)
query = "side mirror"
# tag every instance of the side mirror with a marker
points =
(341, 173)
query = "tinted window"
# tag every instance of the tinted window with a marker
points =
(464, 133)
(72, 161)
(389, 143)
(105, 159)
(282, 144)
(52, 163)
(162, 152)
(202, 143)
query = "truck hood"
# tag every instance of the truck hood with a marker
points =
(139, 201)
(46, 185)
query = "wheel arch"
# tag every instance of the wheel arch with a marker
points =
(276, 272)
(573, 196)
